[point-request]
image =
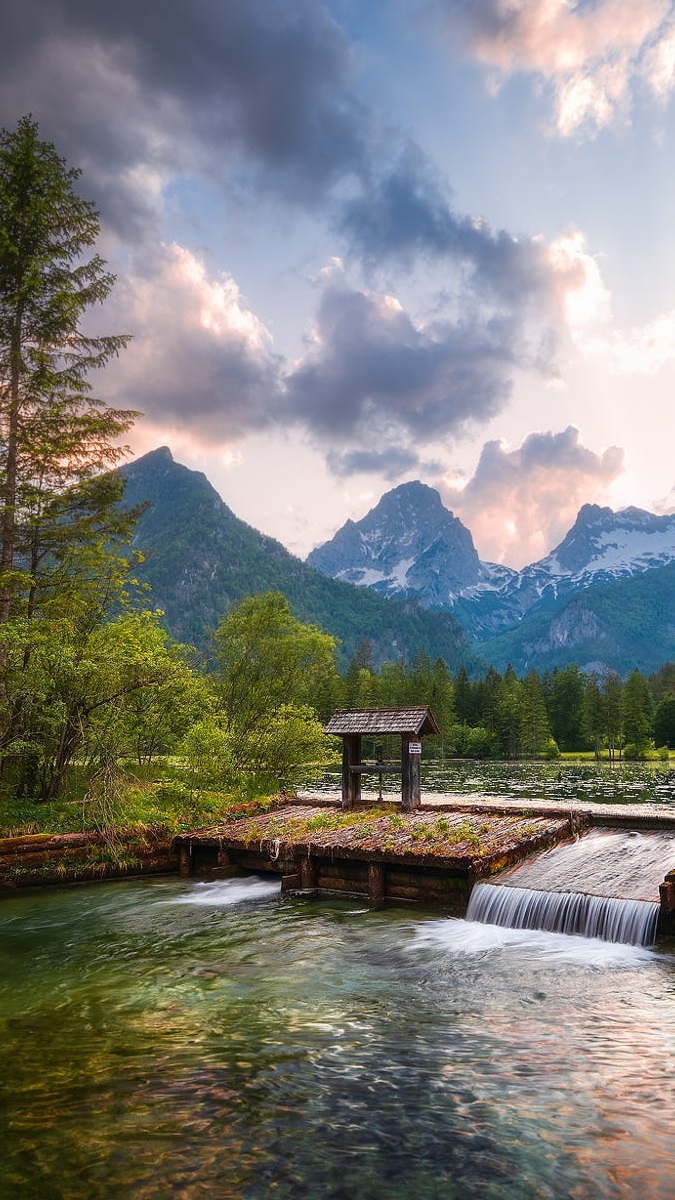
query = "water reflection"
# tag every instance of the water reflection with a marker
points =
(616, 783)
(280, 1047)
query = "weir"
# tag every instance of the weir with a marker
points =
(633, 922)
(616, 884)
(603, 885)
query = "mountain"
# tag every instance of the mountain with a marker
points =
(602, 596)
(624, 623)
(602, 547)
(201, 559)
(409, 544)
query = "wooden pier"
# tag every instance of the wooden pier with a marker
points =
(379, 853)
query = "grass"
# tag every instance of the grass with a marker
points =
(156, 799)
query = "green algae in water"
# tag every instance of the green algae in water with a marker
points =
(177, 1039)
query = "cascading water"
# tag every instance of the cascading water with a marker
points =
(632, 922)
(620, 869)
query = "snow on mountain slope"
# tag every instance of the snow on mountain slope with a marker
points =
(408, 543)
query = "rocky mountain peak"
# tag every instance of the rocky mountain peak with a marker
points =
(409, 542)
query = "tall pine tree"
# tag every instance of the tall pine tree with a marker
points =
(56, 437)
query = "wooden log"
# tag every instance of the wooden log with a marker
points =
(337, 883)
(31, 843)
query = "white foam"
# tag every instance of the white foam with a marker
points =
(224, 892)
(458, 937)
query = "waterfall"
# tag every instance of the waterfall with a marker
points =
(607, 917)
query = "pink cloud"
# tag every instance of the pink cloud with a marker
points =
(590, 54)
(520, 503)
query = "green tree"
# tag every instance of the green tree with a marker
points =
(360, 680)
(593, 713)
(637, 706)
(614, 731)
(157, 693)
(56, 438)
(535, 732)
(465, 706)
(663, 681)
(269, 667)
(508, 715)
(441, 699)
(664, 722)
(90, 690)
(565, 707)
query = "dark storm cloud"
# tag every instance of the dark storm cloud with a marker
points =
(140, 93)
(373, 371)
(262, 95)
(390, 463)
(125, 86)
(404, 211)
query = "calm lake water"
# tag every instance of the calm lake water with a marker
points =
(180, 1039)
(619, 783)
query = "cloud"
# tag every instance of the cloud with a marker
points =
(136, 93)
(390, 463)
(643, 350)
(403, 210)
(376, 390)
(521, 502)
(200, 360)
(591, 55)
(258, 94)
(372, 375)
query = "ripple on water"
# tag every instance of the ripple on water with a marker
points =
(164, 1039)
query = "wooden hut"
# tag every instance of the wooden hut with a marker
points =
(411, 723)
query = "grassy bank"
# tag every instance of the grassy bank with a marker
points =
(160, 800)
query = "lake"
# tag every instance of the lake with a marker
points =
(616, 783)
(176, 1038)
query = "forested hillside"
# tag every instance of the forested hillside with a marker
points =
(201, 559)
(624, 624)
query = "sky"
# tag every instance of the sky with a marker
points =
(363, 243)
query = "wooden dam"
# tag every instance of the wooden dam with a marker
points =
(407, 851)
(432, 856)
(379, 852)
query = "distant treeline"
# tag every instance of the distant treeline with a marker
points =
(536, 716)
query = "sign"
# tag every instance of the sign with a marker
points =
(414, 747)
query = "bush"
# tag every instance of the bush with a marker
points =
(465, 741)
(549, 750)
(645, 752)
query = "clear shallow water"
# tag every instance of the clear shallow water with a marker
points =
(175, 1039)
(619, 783)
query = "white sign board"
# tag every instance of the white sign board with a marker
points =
(414, 747)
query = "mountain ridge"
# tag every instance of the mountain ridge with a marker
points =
(603, 596)
(502, 608)
(201, 559)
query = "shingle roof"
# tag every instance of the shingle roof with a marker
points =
(415, 721)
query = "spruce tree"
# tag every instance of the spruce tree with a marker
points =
(56, 437)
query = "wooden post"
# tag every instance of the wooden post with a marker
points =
(375, 882)
(307, 874)
(351, 780)
(411, 773)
